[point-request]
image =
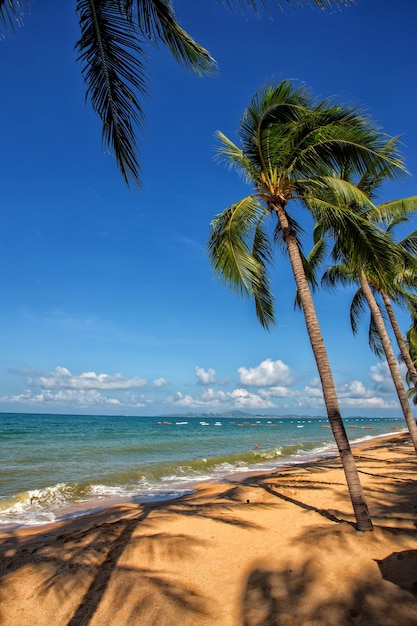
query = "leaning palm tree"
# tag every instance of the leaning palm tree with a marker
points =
(112, 54)
(411, 342)
(348, 273)
(290, 148)
(352, 269)
(403, 284)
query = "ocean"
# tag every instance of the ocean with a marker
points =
(58, 466)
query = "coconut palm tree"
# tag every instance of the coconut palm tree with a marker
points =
(349, 273)
(112, 54)
(411, 342)
(290, 148)
(351, 269)
(403, 283)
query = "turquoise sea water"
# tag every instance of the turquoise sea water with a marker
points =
(55, 466)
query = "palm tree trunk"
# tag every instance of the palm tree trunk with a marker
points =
(391, 360)
(405, 353)
(363, 519)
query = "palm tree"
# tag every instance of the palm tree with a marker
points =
(411, 342)
(352, 269)
(111, 51)
(398, 212)
(290, 148)
(347, 273)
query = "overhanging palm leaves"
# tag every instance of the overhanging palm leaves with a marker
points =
(110, 55)
(112, 58)
(113, 61)
(254, 5)
(111, 51)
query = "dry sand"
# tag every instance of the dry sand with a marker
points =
(276, 549)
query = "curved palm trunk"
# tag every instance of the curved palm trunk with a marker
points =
(391, 360)
(405, 353)
(363, 519)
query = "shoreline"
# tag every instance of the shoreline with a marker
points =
(274, 548)
(92, 505)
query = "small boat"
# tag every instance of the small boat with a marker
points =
(204, 423)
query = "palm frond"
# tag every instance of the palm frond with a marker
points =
(394, 212)
(12, 13)
(231, 242)
(235, 158)
(158, 23)
(340, 192)
(342, 135)
(409, 245)
(356, 239)
(255, 5)
(374, 338)
(338, 274)
(267, 121)
(264, 302)
(370, 184)
(310, 272)
(358, 307)
(112, 66)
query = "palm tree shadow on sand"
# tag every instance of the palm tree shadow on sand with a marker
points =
(314, 589)
(296, 595)
(94, 562)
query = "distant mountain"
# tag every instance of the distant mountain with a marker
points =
(226, 414)
(240, 415)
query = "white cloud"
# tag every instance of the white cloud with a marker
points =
(88, 389)
(61, 378)
(210, 398)
(313, 389)
(205, 377)
(266, 374)
(160, 382)
(355, 394)
(277, 392)
(72, 397)
(182, 400)
(246, 400)
(381, 376)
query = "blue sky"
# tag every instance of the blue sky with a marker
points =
(109, 304)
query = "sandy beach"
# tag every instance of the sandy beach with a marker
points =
(275, 549)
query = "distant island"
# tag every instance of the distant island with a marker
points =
(242, 415)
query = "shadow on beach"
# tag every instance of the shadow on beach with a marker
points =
(114, 557)
(298, 595)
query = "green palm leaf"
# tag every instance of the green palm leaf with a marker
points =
(235, 158)
(112, 67)
(254, 5)
(12, 13)
(157, 22)
(239, 251)
(358, 308)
